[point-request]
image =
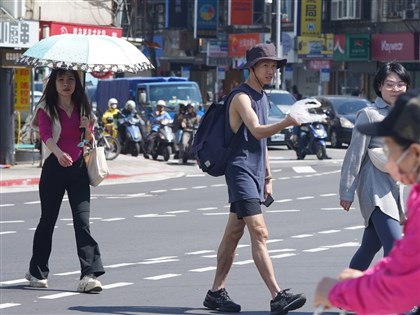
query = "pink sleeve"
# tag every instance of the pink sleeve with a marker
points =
(393, 284)
(44, 124)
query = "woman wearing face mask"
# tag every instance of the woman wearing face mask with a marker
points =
(393, 284)
(378, 193)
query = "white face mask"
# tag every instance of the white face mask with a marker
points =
(114, 106)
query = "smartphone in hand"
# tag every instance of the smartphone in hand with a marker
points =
(268, 201)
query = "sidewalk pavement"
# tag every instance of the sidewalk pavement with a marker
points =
(24, 176)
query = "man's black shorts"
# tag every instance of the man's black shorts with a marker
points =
(246, 208)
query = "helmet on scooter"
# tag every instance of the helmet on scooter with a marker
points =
(161, 103)
(130, 105)
(112, 101)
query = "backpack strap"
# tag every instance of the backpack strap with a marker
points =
(230, 137)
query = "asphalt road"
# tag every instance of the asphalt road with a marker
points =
(159, 241)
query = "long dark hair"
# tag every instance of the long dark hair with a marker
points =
(79, 97)
(385, 70)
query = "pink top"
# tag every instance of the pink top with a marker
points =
(393, 284)
(70, 135)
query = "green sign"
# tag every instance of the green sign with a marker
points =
(358, 47)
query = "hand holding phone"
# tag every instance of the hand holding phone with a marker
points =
(268, 201)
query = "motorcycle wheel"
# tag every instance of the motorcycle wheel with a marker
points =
(135, 149)
(112, 146)
(166, 152)
(154, 156)
(321, 152)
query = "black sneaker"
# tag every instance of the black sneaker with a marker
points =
(220, 301)
(285, 302)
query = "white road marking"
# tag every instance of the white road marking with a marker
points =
(282, 250)
(116, 285)
(356, 227)
(329, 231)
(7, 232)
(305, 197)
(243, 245)
(210, 256)
(7, 205)
(216, 213)
(348, 244)
(207, 209)
(151, 262)
(7, 305)
(204, 269)
(32, 202)
(179, 189)
(244, 262)
(302, 235)
(282, 256)
(58, 295)
(13, 281)
(17, 221)
(218, 185)
(196, 175)
(120, 265)
(314, 250)
(200, 252)
(153, 215)
(327, 195)
(332, 209)
(67, 273)
(282, 211)
(160, 277)
(177, 211)
(275, 240)
(283, 200)
(161, 258)
(112, 219)
(158, 191)
(199, 187)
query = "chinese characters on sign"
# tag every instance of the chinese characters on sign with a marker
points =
(22, 88)
(18, 34)
(310, 21)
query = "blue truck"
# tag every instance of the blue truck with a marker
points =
(146, 91)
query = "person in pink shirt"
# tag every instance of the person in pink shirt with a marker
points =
(61, 115)
(393, 285)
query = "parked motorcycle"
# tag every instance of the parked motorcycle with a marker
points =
(164, 141)
(186, 154)
(310, 140)
(133, 138)
(111, 144)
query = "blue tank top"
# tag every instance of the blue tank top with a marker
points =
(245, 171)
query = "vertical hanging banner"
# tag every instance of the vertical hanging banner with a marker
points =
(176, 14)
(206, 18)
(240, 12)
(22, 89)
(310, 18)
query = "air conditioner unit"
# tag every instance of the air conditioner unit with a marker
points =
(411, 14)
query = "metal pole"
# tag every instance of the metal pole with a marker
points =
(7, 130)
(278, 41)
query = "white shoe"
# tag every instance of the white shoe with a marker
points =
(36, 283)
(89, 284)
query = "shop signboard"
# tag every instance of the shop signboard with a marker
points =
(56, 28)
(320, 47)
(395, 46)
(22, 89)
(358, 47)
(240, 43)
(339, 46)
(240, 12)
(217, 52)
(310, 18)
(18, 33)
(206, 18)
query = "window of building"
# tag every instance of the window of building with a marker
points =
(345, 9)
(405, 9)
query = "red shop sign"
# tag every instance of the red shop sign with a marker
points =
(57, 28)
(398, 46)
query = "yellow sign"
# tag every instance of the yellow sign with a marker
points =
(310, 17)
(22, 89)
(320, 47)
